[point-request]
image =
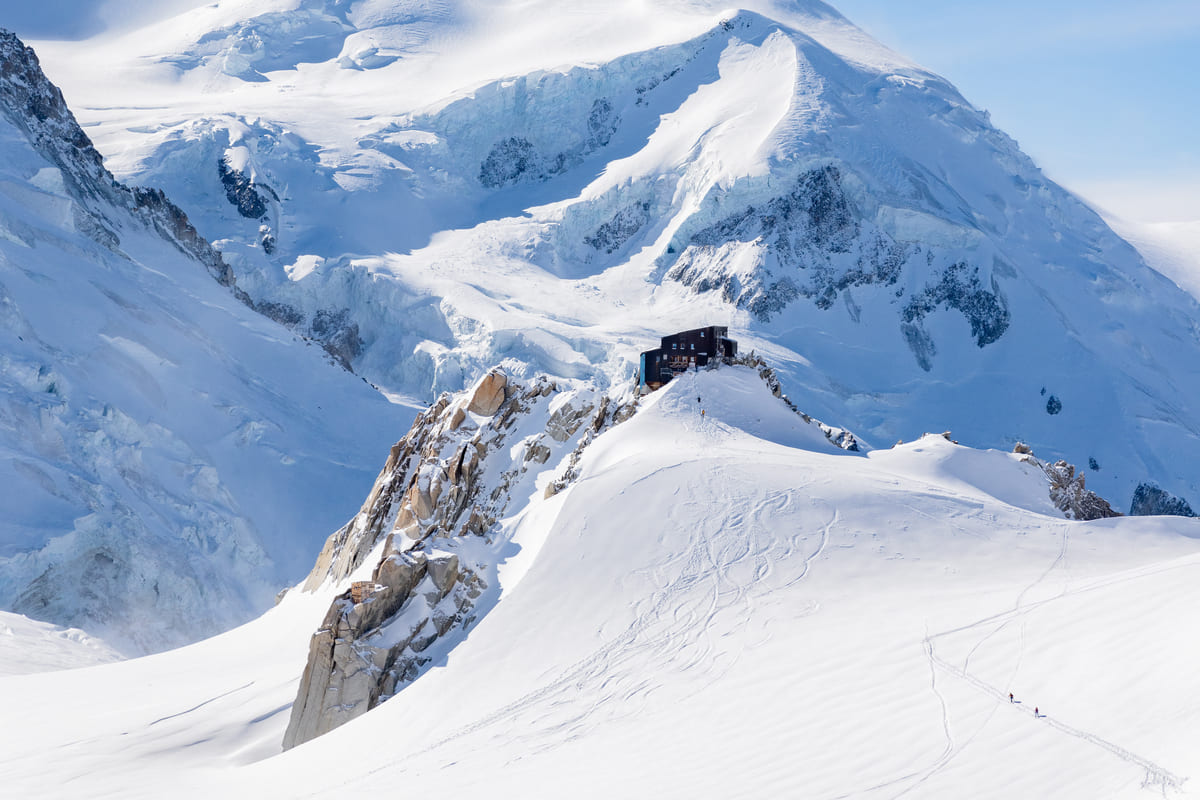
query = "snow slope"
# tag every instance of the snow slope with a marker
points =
(171, 458)
(558, 183)
(719, 606)
(29, 646)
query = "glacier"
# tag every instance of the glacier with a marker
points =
(552, 187)
(172, 458)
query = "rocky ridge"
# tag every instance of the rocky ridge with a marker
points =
(838, 437)
(426, 541)
(420, 557)
(1068, 491)
(814, 243)
(36, 106)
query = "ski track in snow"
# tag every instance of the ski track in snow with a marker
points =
(697, 600)
(1156, 775)
(200, 705)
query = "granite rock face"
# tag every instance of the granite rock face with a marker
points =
(365, 651)
(489, 394)
(421, 554)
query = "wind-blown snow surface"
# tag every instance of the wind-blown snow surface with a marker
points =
(558, 183)
(30, 646)
(170, 457)
(719, 606)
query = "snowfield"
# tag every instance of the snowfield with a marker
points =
(720, 606)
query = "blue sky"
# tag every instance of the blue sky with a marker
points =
(1104, 95)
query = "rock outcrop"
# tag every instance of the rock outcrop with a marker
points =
(366, 650)
(429, 536)
(1068, 491)
(1149, 500)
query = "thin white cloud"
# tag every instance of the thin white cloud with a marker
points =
(1149, 199)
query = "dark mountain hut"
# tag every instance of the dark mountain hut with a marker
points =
(680, 352)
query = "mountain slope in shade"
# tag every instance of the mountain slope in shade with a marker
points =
(719, 605)
(171, 457)
(560, 183)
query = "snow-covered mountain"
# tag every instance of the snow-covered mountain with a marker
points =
(708, 605)
(171, 457)
(434, 188)
(555, 586)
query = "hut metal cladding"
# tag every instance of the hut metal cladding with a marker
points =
(682, 351)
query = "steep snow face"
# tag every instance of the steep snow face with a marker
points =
(171, 457)
(719, 605)
(556, 184)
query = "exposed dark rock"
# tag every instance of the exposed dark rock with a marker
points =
(31, 102)
(1093, 464)
(814, 243)
(920, 343)
(1053, 405)
(1150, 500)
(652, 84)
(170, 221)
(802, 232)
(509, 162)
(1068, 490)
(337, 334)
(517, 160)
(612, 235)
(240, 191)
(602, 123)
(1070, 495)
(960, 289)
(284, 314)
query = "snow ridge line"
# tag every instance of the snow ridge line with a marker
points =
(672, 622)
